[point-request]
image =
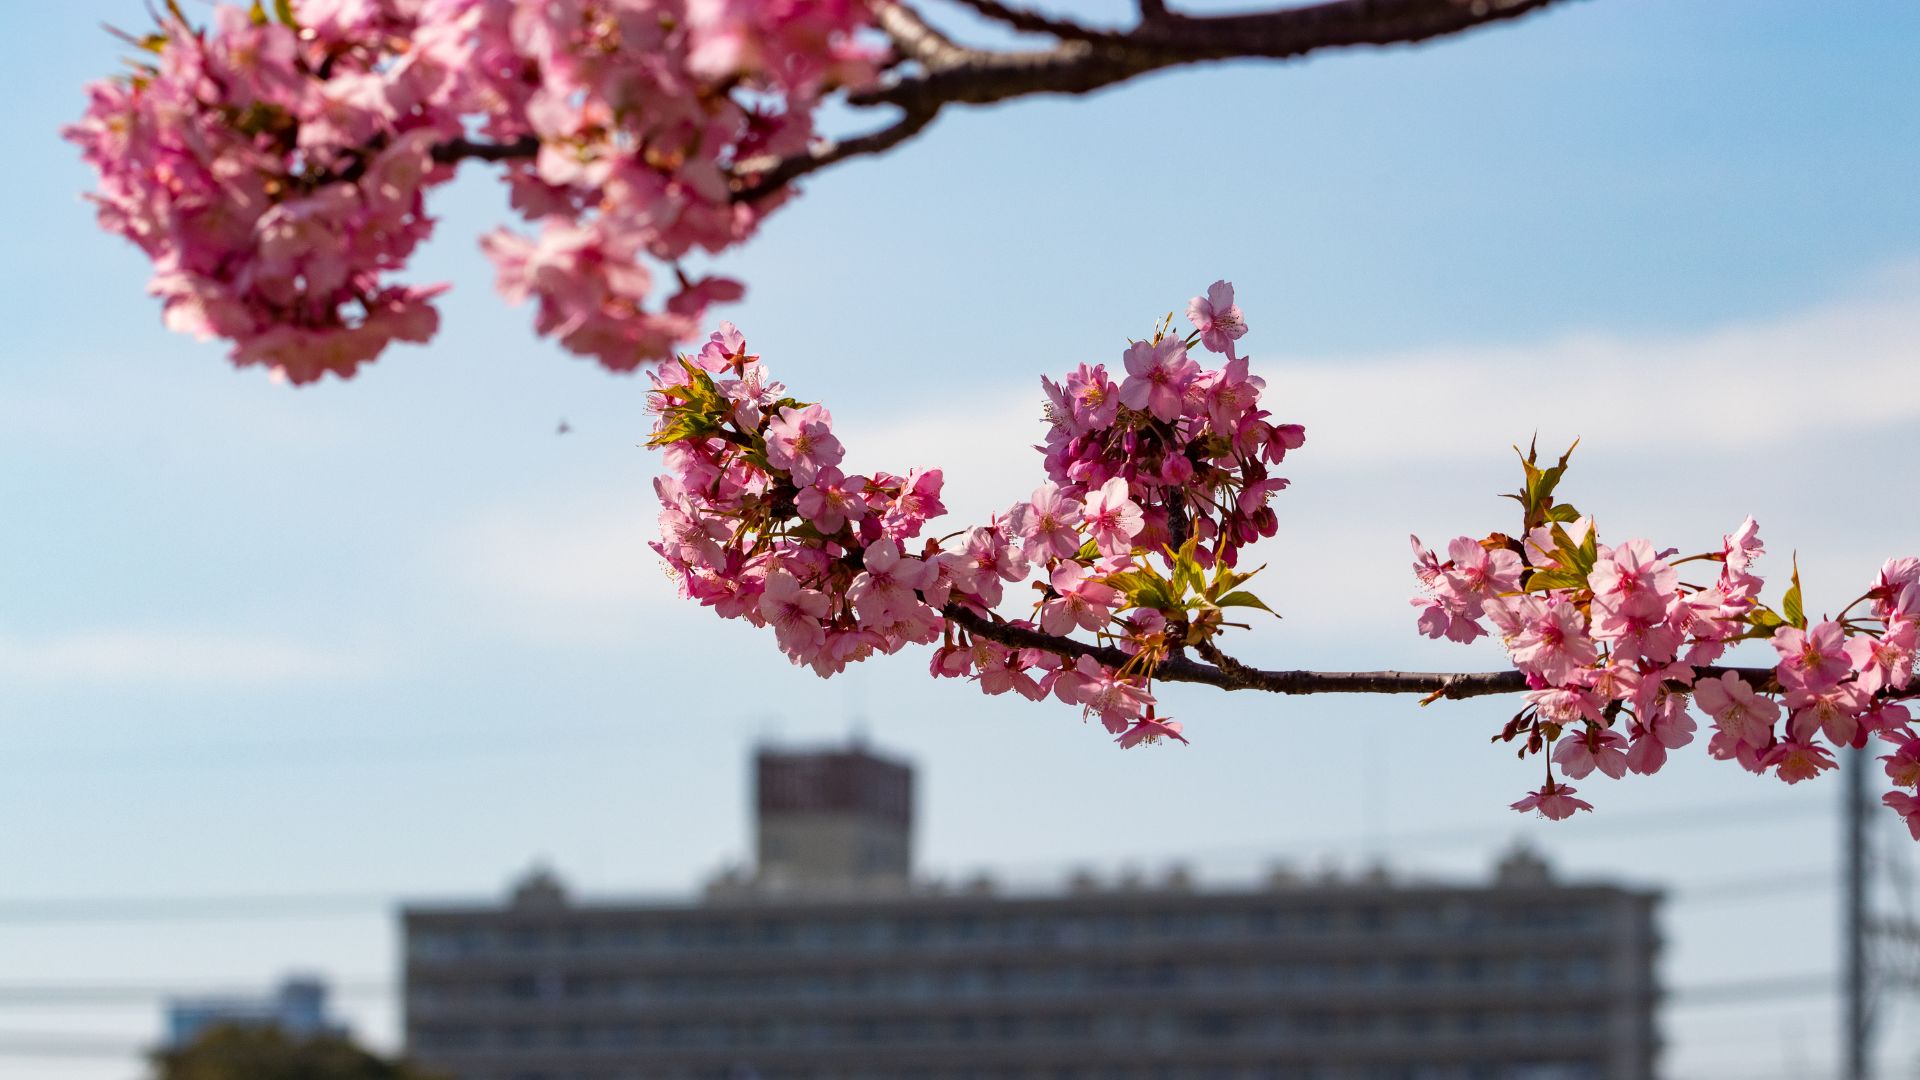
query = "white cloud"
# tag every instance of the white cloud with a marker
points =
(577, 571)
(171, 657)
(1813, 373)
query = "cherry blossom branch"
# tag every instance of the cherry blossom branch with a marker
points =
(1155, 486)
(1226, 673)
(341, 127)
(1085, 59)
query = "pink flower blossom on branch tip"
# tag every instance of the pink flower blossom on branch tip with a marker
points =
(1555, 802)
(1158, 374)
(1217, 318)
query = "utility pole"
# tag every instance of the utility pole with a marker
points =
(1856, 1021)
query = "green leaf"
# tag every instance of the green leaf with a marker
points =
(1227, 579)
(1563, 512)
(1088, 551)
(1244, 599)
(1579, 557)
(1562, 578)
(1186, 569)
(1144, 589)
(1796, 614)
(1765, 618)
(1536, 495)
(283, 10)
(683, 427)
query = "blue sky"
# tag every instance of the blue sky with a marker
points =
(394, 637)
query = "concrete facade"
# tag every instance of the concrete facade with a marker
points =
(1520, 978)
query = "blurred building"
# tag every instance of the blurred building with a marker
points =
(832, 820)
(298, 1007)
(827, 963)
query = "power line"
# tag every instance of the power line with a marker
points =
(1757, 887)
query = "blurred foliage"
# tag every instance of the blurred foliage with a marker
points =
(266, 1053)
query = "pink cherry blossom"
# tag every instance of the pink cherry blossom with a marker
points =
(1477, 574)
(1048, 524)
(1794, 761)
(1157, 377)
(1230, 393)
(1084, 600)
(795, 613)
(1631, 581)
(1736, 709)
(1903, 765)
(916, 502)
(1554, 643)
(1117, 700)
(1907, 806)
(1813, 658)
(1149, 731)
(1217, 318)
(1111, 517)
(801, 441)
(884, 590)
(1832, 710)
(1555, 802)
(832, 500)
(1581, 752)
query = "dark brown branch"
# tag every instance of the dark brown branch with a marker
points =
(1228, 674)
(1081, 64)
(454, 151)
(760, 176)
(943, 72)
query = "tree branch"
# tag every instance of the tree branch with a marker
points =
(1227, 673)
(1082, 59)
(1086, 60)
(454, 151)
(757, 177)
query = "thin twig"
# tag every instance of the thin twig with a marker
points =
(758, 177)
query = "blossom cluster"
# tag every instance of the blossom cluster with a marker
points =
(1620, 650)
(273, 166)
(1165, 468)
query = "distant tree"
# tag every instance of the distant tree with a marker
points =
(263, 1053)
